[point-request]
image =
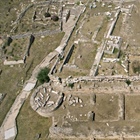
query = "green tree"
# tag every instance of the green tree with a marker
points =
(128, 82)
(42, 76)
(71, 85)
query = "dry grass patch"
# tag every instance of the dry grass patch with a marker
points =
(106, 107)
(71, 71)
(111, 68)
(134, 65)
(102, 30)
(30, 124)
(132, 110)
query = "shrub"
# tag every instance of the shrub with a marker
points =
(9, 41)
(116, 50)
(78, 2)
(47, 14)
(43, 75)
(128, 82)
(71, 85)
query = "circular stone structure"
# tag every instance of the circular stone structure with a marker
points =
(44, 100)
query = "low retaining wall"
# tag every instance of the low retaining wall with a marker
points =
(66, 42)
(13, 62)
(47, 32)
(23, 13)
(31, 40)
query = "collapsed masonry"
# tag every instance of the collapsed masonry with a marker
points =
(45, 100)
(112, 43)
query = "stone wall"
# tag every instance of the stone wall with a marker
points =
(41, 33)
(113, 24)
(13, 62)
(118, 0)
(29, 45)
(23, 13)
(54, 66)
(22, 61)
(67, 57)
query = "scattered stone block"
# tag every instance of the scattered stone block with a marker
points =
(44, 90)
(73, 101)
(70, 102)
(91, 115)
(38, 136)
(42, 96)
(79, 86)
(80, 100)
(55, 92)
(2, 95)
(63, 106)
(69, 97)
(76, 99)
(65, 97)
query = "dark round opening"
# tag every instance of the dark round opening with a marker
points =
(47, 14)
(55, 18)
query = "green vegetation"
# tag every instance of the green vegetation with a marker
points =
(119, 62)
(115, 51)
(78, 2)
(128, 82)
(30, 124)
(43, 75)
(71, 85)
(136, 66)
